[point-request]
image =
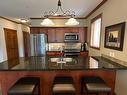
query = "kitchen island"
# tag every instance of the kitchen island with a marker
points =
(48, 67)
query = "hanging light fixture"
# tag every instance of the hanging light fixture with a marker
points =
(59, 13)
(72, 22)
(47, 22)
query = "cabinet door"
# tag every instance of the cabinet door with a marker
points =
(83, 34)
(44, 30)
(34, 30)
(51, 35)
(72, 30)
(60, 34)
(84, 54)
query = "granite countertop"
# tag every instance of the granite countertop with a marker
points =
(47, 63)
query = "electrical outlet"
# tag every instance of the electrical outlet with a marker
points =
(111, 54)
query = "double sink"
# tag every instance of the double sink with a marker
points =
(61, 60)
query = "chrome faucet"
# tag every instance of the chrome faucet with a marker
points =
(61, 51)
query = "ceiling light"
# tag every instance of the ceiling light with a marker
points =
(59, 13)
(24, 20)
(72, 22)
(47, 22)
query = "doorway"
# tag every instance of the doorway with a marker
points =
(11, 43)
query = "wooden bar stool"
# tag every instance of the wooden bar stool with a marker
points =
(94, 85)
(26, 86)
(63, 86)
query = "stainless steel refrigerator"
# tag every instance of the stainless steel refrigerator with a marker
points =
(38, 44)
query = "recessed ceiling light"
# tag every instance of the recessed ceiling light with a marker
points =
(24, 20)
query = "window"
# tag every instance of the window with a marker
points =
(95, 32)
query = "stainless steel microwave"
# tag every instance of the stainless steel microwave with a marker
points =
(71, 37)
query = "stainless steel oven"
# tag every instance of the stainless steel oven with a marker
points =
(71, 37)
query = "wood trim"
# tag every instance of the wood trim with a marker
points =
(10, 29)
(92, 20)
(95, 48)
(102, 3)
(8, 19)
(59, 27)
(95, 18)
(13, 21)
(56, 17)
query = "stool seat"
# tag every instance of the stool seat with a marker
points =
(97, 87)
(63, 88)
(27, 89)
(94, 85)
(26, 86)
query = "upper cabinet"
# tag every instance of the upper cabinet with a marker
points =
(51, 35)
(60, 34)
(56, 34)
(34, 30)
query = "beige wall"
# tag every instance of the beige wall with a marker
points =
(114, 11)
(11, 25)
(58, 22)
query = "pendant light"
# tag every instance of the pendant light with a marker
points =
(59, 13)
(72, 22)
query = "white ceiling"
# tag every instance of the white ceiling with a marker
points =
(36, 8)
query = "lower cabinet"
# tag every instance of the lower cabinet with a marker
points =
(57, 53)
(84, 53)
(54, 53)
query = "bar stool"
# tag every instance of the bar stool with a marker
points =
(26, 86)
(63, 86)
(94, 85)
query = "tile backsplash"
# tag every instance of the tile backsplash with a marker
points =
(59, 46)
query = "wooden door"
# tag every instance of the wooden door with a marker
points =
(11, 43)
(51, 35)
(26, 38)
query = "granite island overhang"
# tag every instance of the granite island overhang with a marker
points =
(48, 67)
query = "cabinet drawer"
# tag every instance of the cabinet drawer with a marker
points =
(85, 54)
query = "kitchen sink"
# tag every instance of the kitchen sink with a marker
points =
(61, 60)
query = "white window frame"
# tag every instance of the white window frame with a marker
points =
(95, 38)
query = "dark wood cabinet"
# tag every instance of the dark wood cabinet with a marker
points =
(54, 53)
(84, 53)
(59, 35)
(56, 34)
(83, 34)
(58, 53)
(51, 35)
(43, 30)
(35, 30)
